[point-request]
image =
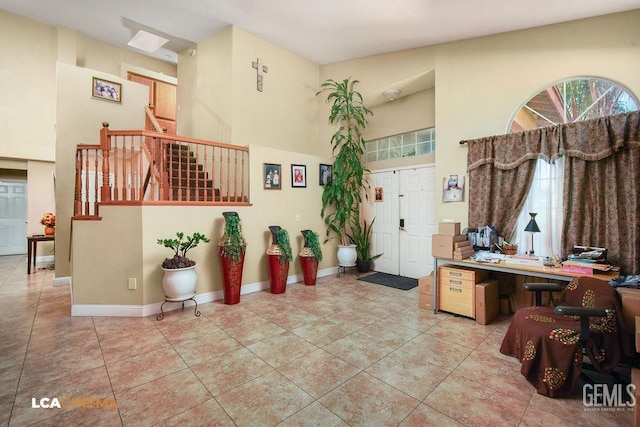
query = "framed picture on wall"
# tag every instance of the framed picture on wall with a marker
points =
(104, 89)
(272, 175)
(326, 172)
(298, 176)
(453, 188)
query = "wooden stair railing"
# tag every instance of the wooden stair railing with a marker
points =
(141, 167)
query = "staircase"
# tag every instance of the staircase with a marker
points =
(188, 181)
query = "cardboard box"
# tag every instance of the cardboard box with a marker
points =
(425, 301)
(635, 380)
(487, 301)
(442, 245)
(630, 305)
(449, 228)
(425, 284)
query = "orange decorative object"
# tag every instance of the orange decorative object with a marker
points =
(49, 231)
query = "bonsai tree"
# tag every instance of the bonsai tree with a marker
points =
(342, 196)
(181, 246)
(232, 243)
(361, 236)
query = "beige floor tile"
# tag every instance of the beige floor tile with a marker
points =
(426, 416)
(359, 350)
(412, 375)
(313, 415)
(291, 318)
(264, 401)
(141, 369)
(365, 401)
(321, 332)
(248, 333)
(117, 347)
(436, 351)
(206, 347)
(209, 413)
(468, 401)
(493, 372)
(122, 326)
(390, 333)
(161, 399)
(318, 372)
(281, 349)
(231, 370)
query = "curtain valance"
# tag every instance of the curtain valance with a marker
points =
(590, 140)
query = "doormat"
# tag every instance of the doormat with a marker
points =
(397, 282)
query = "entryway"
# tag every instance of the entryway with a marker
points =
(13, 217)
(405, 220)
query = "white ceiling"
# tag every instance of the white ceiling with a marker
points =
(322, 31)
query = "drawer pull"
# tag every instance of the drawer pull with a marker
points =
(455, 273)
(452, 289)
(457, 282)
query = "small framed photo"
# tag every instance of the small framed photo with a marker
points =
(326, 173)
(453, 188)
(379, 194)
(272, 175)
(298, 176)
(104, 89)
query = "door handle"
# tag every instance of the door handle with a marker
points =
(401, 224)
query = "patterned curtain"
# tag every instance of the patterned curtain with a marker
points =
(501, 170)
(601, 188)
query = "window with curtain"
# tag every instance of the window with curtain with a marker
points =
(568, 101)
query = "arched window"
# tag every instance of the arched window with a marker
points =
(568, 101)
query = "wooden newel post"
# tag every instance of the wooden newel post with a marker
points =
(105, 146)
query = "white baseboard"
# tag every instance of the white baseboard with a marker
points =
(111, 310)
(61, 281)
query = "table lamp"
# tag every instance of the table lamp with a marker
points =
(532, 227)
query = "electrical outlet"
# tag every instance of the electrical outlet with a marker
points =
(132, 283)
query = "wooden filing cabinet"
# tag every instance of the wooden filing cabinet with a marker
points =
(457, 289)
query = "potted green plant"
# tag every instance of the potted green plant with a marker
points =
(180, 279)
(231, 251)
(310, 255)
(279, 255)
(361, 237)
(342, 196)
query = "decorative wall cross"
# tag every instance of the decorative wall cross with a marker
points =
(260, 69)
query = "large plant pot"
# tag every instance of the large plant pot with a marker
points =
(231, 277)
(278, 274)
(309, 269)
(179, 283)
(364, 266)
(347, 255)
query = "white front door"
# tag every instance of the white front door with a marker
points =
(417, 221)
(405, 221)
(384, 235)
(13, 217)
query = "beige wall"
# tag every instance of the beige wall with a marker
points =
(79, 120)
(481, 83)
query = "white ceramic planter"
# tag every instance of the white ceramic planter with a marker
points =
(179, 283)
(347, 255)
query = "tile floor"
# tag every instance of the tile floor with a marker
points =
(341, 353)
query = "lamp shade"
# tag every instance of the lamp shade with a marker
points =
(532, 226)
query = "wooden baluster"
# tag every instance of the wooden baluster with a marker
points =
(77, 202)
(242, 177)
(105, 146)
(96, 164)
(140, 171)
(228, 171)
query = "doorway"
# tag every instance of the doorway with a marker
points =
(13, 217)
(405, 220)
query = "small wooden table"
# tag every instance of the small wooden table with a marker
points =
(32, 243)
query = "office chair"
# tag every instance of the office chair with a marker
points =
(551, 342)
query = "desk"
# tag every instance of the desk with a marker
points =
(554, 273)
(32, 243)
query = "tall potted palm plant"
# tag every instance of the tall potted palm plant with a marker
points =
(342, 196)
